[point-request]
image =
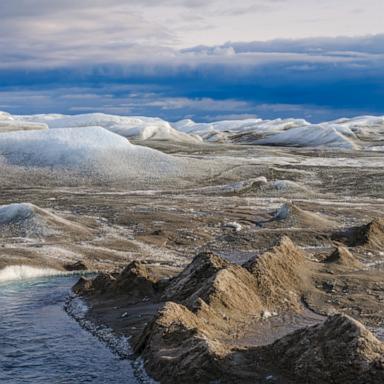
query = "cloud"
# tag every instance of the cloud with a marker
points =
(135, 57)
(45, 33)
(207, 86)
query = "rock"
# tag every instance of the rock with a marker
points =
(211, 300)
(266, 315)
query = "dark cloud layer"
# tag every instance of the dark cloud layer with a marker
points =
(317, 87)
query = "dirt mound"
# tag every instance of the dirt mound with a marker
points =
(218, 320)
(342, 257)
(203, 266)
(227, 302)
(291, 215)
(370, 235)
(177, 347)
(141, 280)
(281, 275)
(137, 281)
(213, 300)
(340, 350)
(100, 285)
(215, 289)
(218, 292)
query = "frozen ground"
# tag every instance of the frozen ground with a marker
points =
(76, 197)
(171, 219)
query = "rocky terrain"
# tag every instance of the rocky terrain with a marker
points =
(222, 258)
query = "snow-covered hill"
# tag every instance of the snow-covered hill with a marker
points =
(363, 132)
(135, 127)
(223, 131)
(92, 150)
(310, 136)
(360, 132)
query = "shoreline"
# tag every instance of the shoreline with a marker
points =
(77, 308)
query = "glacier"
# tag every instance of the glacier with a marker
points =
(361, 132)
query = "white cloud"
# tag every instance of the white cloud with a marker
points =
(36, 32)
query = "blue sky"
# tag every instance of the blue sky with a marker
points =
(206, 60)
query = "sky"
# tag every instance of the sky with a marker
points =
(200, 59)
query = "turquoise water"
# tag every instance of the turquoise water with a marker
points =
(40, 343)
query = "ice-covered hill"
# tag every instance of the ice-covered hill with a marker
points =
(369, 128)
(89, 151)
(135, 127)
(223, 131)
(362, 132)
(309, 136)
(359, 132)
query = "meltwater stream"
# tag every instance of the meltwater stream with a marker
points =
(40, 343)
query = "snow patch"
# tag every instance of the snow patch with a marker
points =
(233, 224)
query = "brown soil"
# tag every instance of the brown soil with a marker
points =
(281, 275)
(218, 320)
(366, 236)
(370, 235)
(342, 257)
(339, 350)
